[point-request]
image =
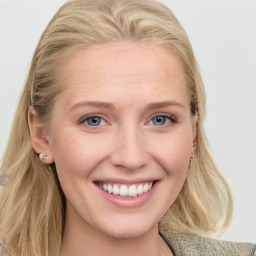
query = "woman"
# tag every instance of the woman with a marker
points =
(107, 153)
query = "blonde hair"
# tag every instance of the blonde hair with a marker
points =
(32, 204)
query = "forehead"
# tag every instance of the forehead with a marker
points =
(125, 67)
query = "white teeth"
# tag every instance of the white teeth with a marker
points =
(125, 190)
(116, 190)
(140, 190)
(133, 190)
(109, 188)
(145, 188)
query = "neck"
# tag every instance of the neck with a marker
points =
(82, 240)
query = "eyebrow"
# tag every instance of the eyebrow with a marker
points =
(151, 106)
(163, 104)
(97, 104)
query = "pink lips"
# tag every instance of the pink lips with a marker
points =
(128, 201)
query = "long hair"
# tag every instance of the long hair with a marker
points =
(32, 204)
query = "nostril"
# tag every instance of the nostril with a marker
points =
(129, 151)
(128, 160)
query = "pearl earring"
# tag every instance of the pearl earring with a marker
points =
(43, 157)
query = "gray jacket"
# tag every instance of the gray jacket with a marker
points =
(187, 245)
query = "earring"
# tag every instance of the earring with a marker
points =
(43, 157)
(3, 181)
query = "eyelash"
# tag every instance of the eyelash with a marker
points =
(170, 116)
(83, 119)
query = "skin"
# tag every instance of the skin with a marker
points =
(128, 144)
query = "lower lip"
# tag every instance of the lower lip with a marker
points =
(128, 202)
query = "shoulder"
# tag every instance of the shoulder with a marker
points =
(201, 246)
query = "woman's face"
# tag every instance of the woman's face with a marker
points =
(121, 136)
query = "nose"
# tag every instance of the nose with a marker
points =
(129, 149)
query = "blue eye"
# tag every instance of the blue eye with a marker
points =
(94, 121)
(161, 120)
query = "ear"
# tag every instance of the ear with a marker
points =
(38, 135)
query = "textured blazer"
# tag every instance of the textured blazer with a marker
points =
(188, 245)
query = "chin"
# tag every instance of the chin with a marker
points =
(134, 231)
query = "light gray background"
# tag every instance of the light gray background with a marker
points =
(223, 35)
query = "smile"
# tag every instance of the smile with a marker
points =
(124, 190)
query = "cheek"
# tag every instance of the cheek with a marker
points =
(75, 153)
(173, 152)
(76, 156)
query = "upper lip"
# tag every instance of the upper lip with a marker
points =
(125, 181)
